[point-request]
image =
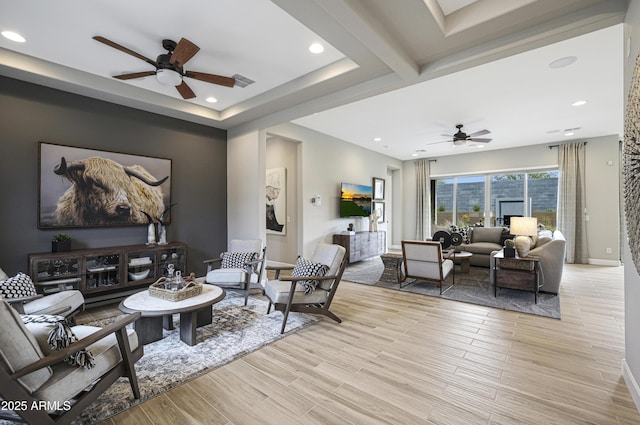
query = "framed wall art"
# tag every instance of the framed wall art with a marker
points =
(379, 208)
(81, 187)
(378, 188)
(276, 201)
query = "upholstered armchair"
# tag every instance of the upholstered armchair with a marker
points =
(425, 261)
(240, 267)
(311, 286)
(21, 293)
(32, 373)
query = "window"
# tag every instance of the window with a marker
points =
(529, 194)
(470, 200)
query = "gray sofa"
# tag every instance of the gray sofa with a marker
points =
(484, 240)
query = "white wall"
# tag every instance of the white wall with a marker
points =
(602, 186)
(246, 201)
(324, 163)
(282, 153)
(631, 363)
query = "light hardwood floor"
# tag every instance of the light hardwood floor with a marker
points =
(403, 358)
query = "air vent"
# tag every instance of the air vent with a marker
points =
(242, 81)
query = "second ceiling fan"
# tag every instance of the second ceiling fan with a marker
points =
(460, 137)
(170, 66)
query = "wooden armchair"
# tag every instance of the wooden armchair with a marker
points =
(60, 391)
(242, 272)
(425, 261)
(287, 295)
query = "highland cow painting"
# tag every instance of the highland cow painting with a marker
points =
(89, 188)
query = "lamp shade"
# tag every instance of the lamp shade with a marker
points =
(525, 226)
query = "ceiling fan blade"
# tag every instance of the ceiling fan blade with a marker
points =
(479, 140)
(211, 78)
(184, 51)
(124, 49)
(185, 91)
(134, 75)
(443, 141)
(447, 135)
(479, 133)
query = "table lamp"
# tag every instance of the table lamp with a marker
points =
(523, 227)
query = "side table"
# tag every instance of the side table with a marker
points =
(519, 273)
(392, 268)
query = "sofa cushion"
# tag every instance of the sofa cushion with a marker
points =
(484, 248)
(486, 234)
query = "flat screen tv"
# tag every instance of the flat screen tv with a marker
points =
(355, 200)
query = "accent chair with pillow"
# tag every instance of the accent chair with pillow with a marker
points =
(32, 372)
(312, 284)
(240, 267)
(20, 292)
(425, 261)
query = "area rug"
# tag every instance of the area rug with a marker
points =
(236, 330)
(473, 288)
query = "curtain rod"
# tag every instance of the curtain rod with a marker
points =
(555, 146)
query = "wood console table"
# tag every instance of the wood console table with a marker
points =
(362, 245)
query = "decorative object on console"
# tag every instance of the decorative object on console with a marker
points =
(69, 202)
(509, 248)
(523, 227)
(373, 221)
(151, 230)
(162, 229)
(61, 242)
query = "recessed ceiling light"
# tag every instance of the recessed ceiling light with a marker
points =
(211, 99)
(579, 103)
(562, 62)
(316, 48)
(414, 154)
(377, 139)
(13, 36)
(570, 133)
(480, 146)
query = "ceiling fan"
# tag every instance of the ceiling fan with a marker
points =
(169, 66)
(460, 137)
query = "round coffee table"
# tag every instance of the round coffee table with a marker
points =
(194, 312)
(465, 260)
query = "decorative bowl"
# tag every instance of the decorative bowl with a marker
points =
(139, 275)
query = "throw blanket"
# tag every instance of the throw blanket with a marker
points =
(61, 336)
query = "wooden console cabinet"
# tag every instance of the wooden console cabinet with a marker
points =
(104, 274)
(362, 245)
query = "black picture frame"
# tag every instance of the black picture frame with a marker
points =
(378, 188)
(128, 173)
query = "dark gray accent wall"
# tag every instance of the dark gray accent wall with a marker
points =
(31, 113)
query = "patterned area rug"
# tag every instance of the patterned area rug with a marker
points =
(236, 330)
(474, 288)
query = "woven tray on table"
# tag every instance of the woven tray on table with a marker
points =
(191, 289)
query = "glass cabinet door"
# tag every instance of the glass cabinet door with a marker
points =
(141, 267)
(172, 255)
(102, 271)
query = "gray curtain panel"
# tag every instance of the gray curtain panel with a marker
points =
(423, 200)
(572, 201)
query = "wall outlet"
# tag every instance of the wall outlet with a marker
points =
(609, 251)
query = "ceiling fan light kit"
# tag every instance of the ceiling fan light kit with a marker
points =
(168, 77)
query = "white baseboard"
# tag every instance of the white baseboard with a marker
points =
(632, 384)
(601, 262)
